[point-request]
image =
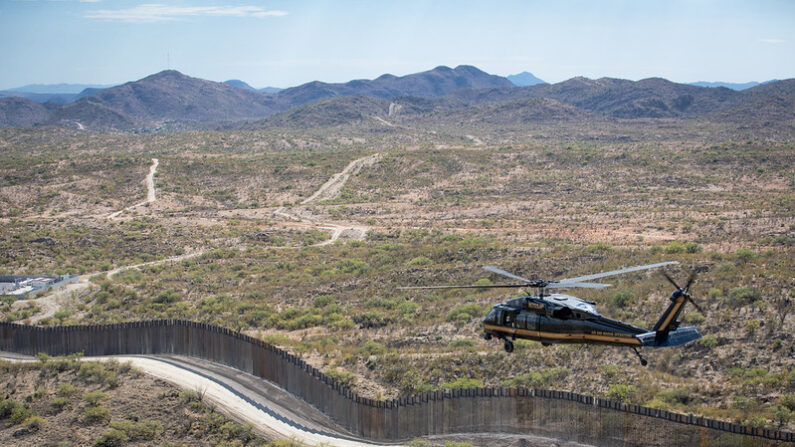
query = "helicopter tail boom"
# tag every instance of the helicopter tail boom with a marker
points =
(678, 337)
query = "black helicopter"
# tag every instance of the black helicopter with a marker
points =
(559, 318)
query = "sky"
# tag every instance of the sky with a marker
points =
(285, 43)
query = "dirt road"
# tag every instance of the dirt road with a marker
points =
(330, 190)
(150, 190)
(334, 185)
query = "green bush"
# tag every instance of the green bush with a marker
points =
(464, 313)
(621, 299)
(112, 438)
(14, 411)
(35, 422)
(709, 341)
(344, 377)
(678, 395)
(373, 348)
(353, 266)
(745, 254)
(463, 383)
(692, 247)
(66, 389)
(59, 402)
(418, 261)
(621, 392)
(675, 247)
(740, 296)
(96, 415)
(94, 397)
(462, 343)
(166, 297)
(371, 320)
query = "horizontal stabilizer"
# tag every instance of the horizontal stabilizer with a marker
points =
(678, 337)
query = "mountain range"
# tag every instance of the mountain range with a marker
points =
(462, 94)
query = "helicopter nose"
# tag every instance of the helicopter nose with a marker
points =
(676, 294)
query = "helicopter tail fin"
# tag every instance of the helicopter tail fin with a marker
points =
(668, 320)
(666, 332)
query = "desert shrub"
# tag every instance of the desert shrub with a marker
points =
(94, 397)
(463, 383)
(35, 422)
(371, 320)
(464, 313)
(462, 343)
(323, 300)
(675, 247)
(59, 402)
(599, 247)
(678, 395)
(418, 261)
(353, 266)
(66, 389)
(745, 254)
(709, 341)
(457, 444)
(166, 297)
(621, 392)
(112, 438)
(94, 372)
(537, 379)
(14, 411)
(692, 247)
(96, 415)
(373, 348)
(145, 430)
(740, 296)
(694, 318)
(233, 431)
(344, 377)
(621, 299)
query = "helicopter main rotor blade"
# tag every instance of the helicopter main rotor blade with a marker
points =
(492, 286)
(581, 285)
(671, 280)
(690, 280)
(698, 308)
(504, 273)
(616, 272)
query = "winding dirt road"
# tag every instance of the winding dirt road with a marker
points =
(150, 191)
(327, 191)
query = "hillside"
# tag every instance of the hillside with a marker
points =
(428, 84)
(21, 112)
(442, 96)
(172, 96)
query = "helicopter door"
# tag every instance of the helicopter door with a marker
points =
(508, 318)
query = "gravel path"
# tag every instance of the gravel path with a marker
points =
(150, 190)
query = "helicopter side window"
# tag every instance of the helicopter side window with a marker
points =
(508, 318)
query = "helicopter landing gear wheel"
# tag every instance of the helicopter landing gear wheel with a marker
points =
(487, 336)
(508, 346)
(643, 361)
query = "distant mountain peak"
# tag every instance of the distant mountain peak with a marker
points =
(239, 84)
(525, 79)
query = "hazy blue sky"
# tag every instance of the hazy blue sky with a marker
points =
(286, 43)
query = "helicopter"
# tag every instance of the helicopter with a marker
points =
(558, 318)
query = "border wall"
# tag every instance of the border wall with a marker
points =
(556, 414)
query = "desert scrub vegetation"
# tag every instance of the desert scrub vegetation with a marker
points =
(76, 247)
(64, 399)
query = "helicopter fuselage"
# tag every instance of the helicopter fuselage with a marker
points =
(557, 318)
